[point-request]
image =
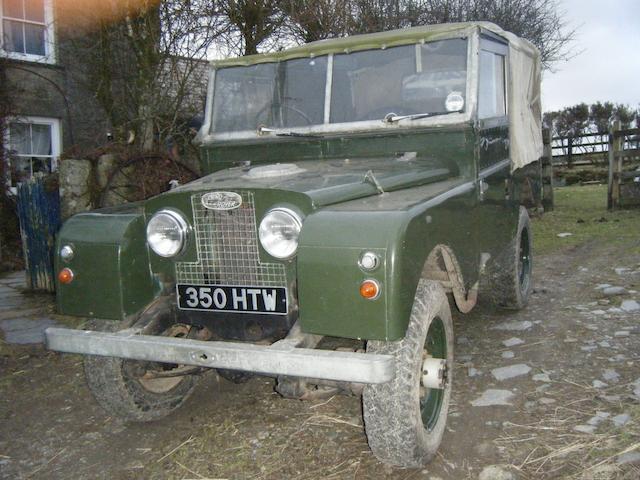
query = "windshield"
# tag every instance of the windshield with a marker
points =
(285, 94)
(365, 85)
(403, 80)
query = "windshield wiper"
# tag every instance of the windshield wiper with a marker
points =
(262, 130)
(392, 117)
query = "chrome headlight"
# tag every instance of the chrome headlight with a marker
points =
(167, 233)
(279, 231)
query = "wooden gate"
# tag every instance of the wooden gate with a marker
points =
(39, 212)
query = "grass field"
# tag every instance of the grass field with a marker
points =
(582, 211)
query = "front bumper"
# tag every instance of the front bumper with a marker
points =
(282, 358)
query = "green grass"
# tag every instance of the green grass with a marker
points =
(582, 211)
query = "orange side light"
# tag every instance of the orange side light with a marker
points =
(65, 276)
(369, 289)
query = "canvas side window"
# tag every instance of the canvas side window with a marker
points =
(491, 93)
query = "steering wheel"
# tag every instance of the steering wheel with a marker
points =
(291, 108)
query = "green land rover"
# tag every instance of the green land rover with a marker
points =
(356, 190)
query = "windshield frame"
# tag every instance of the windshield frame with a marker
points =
(208, 134)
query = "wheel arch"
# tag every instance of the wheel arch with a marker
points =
(443, 267)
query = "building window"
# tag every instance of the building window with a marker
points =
(26, 29)
(34, 146)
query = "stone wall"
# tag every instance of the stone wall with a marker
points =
(57, 91)
(82, 183)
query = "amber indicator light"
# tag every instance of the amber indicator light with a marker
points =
(65, 276)
(369, 289)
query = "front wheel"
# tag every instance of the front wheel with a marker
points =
(134, 390)
(405, 418)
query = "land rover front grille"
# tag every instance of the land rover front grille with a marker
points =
(227, 246)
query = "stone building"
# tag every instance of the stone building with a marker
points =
(50, 109)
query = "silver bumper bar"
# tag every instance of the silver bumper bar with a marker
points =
(281, 358)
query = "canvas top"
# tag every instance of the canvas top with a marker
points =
(386, 39)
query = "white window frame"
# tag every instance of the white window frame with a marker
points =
(49, 37)
(56, 140)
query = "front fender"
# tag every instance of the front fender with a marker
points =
(329, 276)
(112, 278)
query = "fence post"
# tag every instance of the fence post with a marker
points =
(615, 166)
(39, 212)
(547, 170)
(570, 152)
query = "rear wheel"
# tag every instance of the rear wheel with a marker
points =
(138, 391)
(507, 280)
(405, 418)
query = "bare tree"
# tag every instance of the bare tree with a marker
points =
(540, 21)
(252, 23)
(145, 60)
(311, 20)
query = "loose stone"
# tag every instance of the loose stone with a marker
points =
(541, 377)
(630, 306)
(611, 375)
(495, 472)
(512, 342)
(613, 291)
(629, 457)
(505, 373)
(493, 397)
(620, 420)
(585, 428)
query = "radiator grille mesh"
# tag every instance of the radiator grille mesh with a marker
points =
(227, 246)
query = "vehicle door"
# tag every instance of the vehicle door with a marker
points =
(495, 212)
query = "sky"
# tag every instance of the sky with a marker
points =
(607, 67)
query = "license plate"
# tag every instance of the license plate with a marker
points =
(233, 298)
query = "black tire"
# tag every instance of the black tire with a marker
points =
(404, 428)
(116, 385)
(507, 279)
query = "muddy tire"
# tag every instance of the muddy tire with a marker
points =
(405, 421)
(119, 387)
(507, 279)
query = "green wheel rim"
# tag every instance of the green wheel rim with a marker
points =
(431, 401)
(524, 260)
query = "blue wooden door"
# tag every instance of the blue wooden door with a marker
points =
(39, 212)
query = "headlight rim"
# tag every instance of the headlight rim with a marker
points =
(184, 229)
(297, 218)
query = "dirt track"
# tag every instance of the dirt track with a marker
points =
(51, 428)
